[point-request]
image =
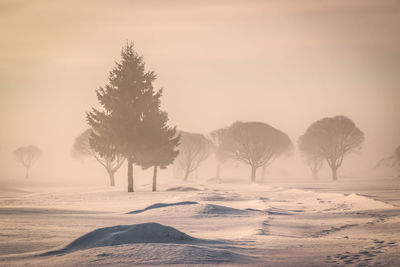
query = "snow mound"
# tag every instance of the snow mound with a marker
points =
(219, 196)
(149, 254)
(195, 210)
(126, 234)
(162, 205)
(359, 202)
(183, 189)
(211, 209)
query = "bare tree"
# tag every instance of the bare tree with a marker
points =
(256, 144)
(315, 165)
(392, 161)
(221, 155)
(332, 139)
(27, 156)
(82, 148)
(194, 148)
(309, 149)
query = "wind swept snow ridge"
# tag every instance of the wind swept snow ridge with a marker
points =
(126, 234)
(212, 209)
(162, 205)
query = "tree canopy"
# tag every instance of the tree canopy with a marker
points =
(332, 139)
(256, 144)
(82, 148)
(128, 102)
(27, 155)
(194, 148)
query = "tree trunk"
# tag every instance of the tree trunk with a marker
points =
(155, 179)
(253, 173)
(334, 173)
(112, 179)
(130, 175)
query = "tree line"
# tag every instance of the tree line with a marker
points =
(131, 127)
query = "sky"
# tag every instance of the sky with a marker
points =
(285, 63)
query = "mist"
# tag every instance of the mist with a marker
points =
(283, 63)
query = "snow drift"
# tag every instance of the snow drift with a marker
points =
(163, 205)
(126, 234)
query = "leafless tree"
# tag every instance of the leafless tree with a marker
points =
(392, 161)
(310, 151)
(27, 156)
(333, 138)
(194, 148)
(256, 144)
(221, 155)
(82, 148)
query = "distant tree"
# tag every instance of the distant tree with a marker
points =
(193, 150)
(160, 149)
(126, 100)
(310, 150)
(256, 144)
(332, 139)
(392, 161)
(82, 148)
(27, 156)
(221, 155)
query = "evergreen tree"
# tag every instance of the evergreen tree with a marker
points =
(126, 100)
(160, 144)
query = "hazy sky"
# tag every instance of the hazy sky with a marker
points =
(286, 63)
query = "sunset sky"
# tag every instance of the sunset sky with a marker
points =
(286, 63)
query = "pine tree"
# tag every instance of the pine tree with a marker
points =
(160, 144)
(126, 99)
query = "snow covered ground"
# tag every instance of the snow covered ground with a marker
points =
(229, 223)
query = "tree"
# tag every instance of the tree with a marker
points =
(217, 138)
(161, 141)
(125, 100)
(256, 144)
(27, 156)
(332, 139)
(194, 148)
(309, 148)
(82, 148)
(392, 161)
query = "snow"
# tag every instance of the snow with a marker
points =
(127, 234)
(225, 223)
(162, 205)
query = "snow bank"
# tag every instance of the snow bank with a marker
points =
(358, 202)
(126, 234)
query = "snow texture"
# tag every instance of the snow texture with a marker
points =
(127, 234)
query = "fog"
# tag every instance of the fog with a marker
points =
(283, 63)
(291, 85)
